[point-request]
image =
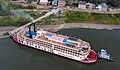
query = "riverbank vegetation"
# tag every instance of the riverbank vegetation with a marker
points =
(86, 17)
(18, 20)
(12, 21)
(10, 16)
(35, 14)
(52, 19)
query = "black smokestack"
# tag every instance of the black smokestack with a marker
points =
(57, 3)
(30, 35)
(34, 27)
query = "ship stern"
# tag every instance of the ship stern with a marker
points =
(91, 58)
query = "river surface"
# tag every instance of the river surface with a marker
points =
(18, 57)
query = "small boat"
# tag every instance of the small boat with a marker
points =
(104, 55)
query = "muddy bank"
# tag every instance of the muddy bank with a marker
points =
(91, 25)
(4, 31)
(57, 27)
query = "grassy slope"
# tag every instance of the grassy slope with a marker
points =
(85, 17)
(17, 20)
(12, 20)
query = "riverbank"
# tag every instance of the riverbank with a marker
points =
(58, 27)
(71, 16)
(91, 25)
(4, 30)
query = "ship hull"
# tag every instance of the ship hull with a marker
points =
(89, 59)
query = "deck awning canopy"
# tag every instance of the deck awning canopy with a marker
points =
(32, 33)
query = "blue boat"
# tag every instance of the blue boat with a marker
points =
(104, 55)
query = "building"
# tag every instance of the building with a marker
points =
(102, 7)
(36, 1)
(55, 2)
(44, 2)
(90, 6)
(82, 5)
(72, 1)
(59, 3)
(23, 1)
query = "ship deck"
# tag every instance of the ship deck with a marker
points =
(22, 34)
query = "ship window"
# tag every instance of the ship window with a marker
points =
(72, 53)
(75, 54)
(68, 52)
(65, 51)
(54, 48)
(58, 49)
(61, 50)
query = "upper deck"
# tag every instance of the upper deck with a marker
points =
(57, 39)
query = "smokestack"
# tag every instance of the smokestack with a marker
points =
(57, 2)
(30, 35)
(34, 27)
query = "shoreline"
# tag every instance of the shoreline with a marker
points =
(91, 26)
(4, 30)
(54, 28)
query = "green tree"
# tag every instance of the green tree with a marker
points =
(6, 6)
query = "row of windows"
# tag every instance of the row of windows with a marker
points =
(39, 42)
(71, 53)
(66, 51)
(57, 48)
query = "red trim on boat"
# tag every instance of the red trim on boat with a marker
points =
(92, 57)
(15, 37)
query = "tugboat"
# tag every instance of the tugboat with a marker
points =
(104, 55)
